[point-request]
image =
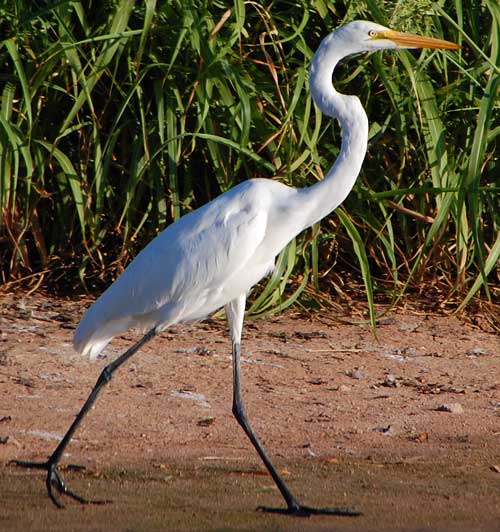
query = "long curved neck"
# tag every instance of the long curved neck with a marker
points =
(323, 197)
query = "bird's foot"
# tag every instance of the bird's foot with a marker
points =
(54, 480)
(299, 510)
(44, 465)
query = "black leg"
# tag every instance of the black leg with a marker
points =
(53, 476)
(293, 507)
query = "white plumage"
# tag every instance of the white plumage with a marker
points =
(195, 266)
(214, 255)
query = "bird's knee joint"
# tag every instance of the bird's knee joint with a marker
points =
(106, 375)
(239, 412)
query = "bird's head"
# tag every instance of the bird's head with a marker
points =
(364, 36)
(353, 38)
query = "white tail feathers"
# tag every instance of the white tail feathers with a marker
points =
(93, 335)
(91, 348)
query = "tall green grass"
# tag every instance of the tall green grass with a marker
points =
(117, 117)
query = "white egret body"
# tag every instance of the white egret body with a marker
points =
(212, 257)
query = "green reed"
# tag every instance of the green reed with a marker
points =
(117, 117)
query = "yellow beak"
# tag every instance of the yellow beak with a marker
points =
(416, 41)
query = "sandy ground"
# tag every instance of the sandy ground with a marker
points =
(404, 428)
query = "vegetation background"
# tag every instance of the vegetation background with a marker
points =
(119, 116)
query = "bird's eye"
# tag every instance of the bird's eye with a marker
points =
(372, 33)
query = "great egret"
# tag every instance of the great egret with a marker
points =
(211, 257)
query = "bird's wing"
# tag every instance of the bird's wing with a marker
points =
(188, 265)
(195, 262)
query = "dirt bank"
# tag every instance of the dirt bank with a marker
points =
(405, 428)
